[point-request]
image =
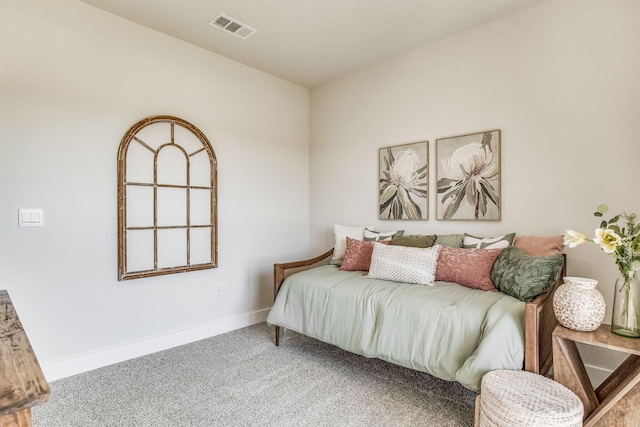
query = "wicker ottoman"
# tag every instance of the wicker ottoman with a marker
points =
(520, 398)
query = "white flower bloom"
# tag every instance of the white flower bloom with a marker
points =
(573, 238)
(470, 160)
(403, 171)
(607, 239)
(621, 242)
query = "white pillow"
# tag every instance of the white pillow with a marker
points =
(341, 233)
(404, 264)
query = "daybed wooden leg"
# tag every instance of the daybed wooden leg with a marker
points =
(277, 335)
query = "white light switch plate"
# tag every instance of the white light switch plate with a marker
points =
(30, 217)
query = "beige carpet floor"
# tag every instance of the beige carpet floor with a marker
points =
(242, 379)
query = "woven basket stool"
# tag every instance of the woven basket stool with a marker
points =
(520, 398)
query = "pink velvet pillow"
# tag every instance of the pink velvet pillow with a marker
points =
(467, 267)
(540, 246)
(357, 256)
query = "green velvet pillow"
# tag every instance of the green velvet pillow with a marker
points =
(451, 240)
(414, 241)
(523, 276)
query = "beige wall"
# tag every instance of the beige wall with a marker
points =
(562, 82)
(73, 79)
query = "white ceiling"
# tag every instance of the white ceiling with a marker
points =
(311, 41)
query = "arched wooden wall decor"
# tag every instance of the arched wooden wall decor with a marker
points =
(167, 199)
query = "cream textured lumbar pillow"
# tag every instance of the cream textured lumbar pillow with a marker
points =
(404, 263)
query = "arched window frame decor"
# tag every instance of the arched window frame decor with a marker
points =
(132, 138)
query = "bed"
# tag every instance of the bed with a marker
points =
(469, 332)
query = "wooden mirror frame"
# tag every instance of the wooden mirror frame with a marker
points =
(123, 184)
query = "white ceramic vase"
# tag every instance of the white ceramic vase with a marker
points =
(578, 305)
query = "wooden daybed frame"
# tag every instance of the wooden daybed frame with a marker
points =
(539, 317)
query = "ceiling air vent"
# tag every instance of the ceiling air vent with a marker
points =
(232, 26)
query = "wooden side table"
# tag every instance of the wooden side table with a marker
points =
(616, 402)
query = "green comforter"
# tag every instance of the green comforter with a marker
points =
(450, 331)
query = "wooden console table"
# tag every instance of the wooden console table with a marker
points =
(22, 383)
(616, 402)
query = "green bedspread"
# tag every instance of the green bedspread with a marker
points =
(450, 331)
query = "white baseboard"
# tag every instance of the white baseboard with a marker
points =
(109, 356)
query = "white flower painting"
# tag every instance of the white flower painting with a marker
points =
(468, 176)
(403, 181)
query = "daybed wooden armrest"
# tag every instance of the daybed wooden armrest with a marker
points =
(284, 270)
(540, 322)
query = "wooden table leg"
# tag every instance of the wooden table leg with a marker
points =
(620, 390)
(617, 391)
(570, 371)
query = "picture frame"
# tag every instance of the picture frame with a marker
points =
(403, 187)
(468, 177)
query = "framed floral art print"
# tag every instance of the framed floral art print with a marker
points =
(403, 186)
(468, 177)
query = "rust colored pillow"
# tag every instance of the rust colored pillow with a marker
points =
(540, 246)
(467, 267)
(357, 256)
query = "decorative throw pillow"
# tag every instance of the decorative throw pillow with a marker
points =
(523, 276)
(467, 267)
(372, 235)
(404, 264)
(341, 233)
(357, 256)
(499, 242)
(414, 241)
(540, 246)
(451, 240)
